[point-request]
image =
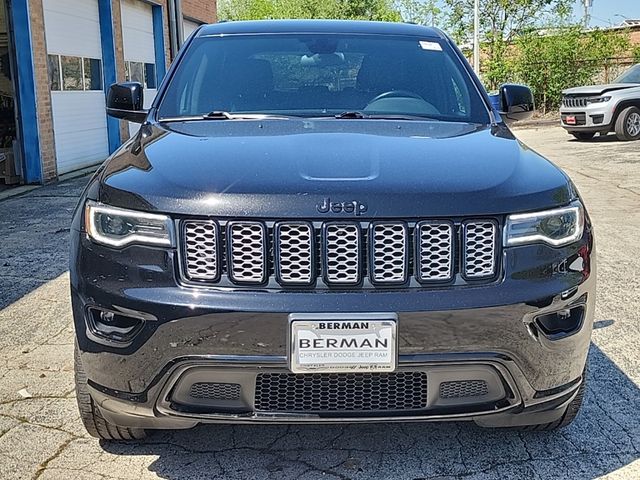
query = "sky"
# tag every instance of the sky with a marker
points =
(603, 12)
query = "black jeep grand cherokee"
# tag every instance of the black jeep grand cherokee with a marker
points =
(325, 221)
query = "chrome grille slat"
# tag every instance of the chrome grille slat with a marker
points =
(342, 253)
(434, 247)
(247, 244)
(294, 253)
(201, 250)
(480, 249)
(389, 252)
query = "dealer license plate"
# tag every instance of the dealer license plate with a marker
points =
(570, 120)
(342, 343)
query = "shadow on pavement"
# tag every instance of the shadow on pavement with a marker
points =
(611, 138)
(34, 229)
(604, 438)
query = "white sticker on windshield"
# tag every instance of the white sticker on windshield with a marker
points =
(434, 46)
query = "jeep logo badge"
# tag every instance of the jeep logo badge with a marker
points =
(327, 206)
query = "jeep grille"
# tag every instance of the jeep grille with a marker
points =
(575, 102)
(338, 254)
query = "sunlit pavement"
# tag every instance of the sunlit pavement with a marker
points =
(41, 435)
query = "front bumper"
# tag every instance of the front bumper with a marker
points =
(231, 336)
(596, 118)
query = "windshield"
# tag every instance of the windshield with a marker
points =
(630, 76)
(323, 75)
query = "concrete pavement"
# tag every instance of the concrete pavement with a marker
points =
(41, 435)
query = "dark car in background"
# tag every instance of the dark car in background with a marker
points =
(326, 221)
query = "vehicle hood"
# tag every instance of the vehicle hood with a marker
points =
(285, 168)
(599, 89)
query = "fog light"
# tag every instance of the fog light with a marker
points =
(561, 323)
(113, 326)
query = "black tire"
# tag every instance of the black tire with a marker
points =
(628, 124)
(583, 135)
(91, 417)
(569, 415)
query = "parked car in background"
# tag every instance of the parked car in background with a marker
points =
(602, 109)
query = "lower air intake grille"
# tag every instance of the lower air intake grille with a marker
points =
(341, 392)
(215, 391)
(463, 389)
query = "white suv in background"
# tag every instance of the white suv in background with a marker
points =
(601, 109)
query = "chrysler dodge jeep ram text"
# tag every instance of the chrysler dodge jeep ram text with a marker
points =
(601, 109)
(326, 221)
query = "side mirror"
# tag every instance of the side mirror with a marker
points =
(515, 102)
(125, 100)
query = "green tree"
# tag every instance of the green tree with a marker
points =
(564, 58)
(331, 9)
(422, 12)
(500, 22)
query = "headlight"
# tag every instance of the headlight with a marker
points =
(118, 227)
(556, 227)
(598, 99)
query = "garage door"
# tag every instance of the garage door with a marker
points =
(188, 27)
(139, 49)
(72, 31)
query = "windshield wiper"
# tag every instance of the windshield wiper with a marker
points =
(351, 114)
(220, 115)
(355, 114)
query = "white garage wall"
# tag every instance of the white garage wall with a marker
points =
(80, 129)
(189, 27)
(138, 40)
(72, 27)
(137, 32)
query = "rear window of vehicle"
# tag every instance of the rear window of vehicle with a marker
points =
(318, 75)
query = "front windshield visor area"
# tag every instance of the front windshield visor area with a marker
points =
(323, 75)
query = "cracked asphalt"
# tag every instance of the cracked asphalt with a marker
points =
(41, 435)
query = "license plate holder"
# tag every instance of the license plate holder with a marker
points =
(330, 343)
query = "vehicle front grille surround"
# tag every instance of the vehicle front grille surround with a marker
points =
(575, 102)
(338, 254)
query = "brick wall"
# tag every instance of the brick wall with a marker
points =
(202, 10)
(43, 95)
(119, 48)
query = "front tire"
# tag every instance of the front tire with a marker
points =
(582, 136)
(628, 124)
(569, 415)
(93, 421)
